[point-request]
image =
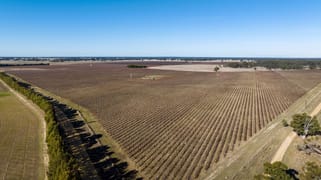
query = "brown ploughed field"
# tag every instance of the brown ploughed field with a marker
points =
(176, 124)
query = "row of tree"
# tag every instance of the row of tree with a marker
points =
(61, 163)
(277, 64)
(243, 64)
(23, 64)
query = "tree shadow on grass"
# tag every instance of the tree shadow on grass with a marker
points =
(106, 166)
(77, 123)
(118, 171)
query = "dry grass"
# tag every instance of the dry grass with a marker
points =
(296, 159)
(2, 88)
(20, 141)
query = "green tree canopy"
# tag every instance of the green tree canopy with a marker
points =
(305, 125)
(275, 171)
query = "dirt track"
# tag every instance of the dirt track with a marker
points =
(316, 110)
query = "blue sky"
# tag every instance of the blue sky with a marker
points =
(256, 28)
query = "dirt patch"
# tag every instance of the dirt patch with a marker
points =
(153, 77)
(205, 68)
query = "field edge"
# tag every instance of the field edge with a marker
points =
(39, 114)
(255, 151)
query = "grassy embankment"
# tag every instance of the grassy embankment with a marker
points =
(21, 140)
(61, 163)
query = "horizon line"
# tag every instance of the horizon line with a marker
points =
(272, 57)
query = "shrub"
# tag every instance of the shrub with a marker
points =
(276, 170)
(136, 66)
(285, 123)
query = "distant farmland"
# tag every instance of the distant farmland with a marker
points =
(179, 124)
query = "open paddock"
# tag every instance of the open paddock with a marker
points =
(181, 125)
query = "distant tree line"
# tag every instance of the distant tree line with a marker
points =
(244, 64)
(61, 163)
(136, 66)
(27, 64)
(277, 64)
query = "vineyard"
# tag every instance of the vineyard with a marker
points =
(179, 126)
